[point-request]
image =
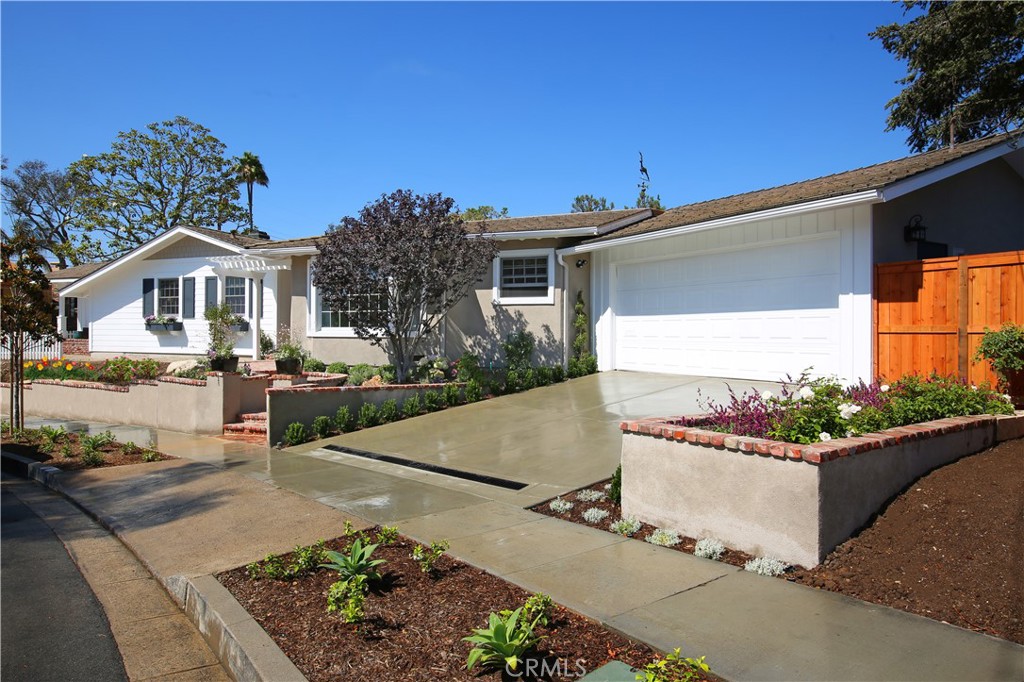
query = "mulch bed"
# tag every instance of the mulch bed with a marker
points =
(950, 547)
(414, 623)
(69, 458)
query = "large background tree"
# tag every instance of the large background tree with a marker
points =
(250, 171)
(588, 202)
(46, 204)
(28, 310)
(173, 174)
(413, 252)
(484, 212)
(965, 71)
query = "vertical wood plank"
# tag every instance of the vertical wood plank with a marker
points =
(963, 308)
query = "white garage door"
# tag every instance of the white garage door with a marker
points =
(752, 314)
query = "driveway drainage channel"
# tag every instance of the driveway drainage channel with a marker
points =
(434, 468)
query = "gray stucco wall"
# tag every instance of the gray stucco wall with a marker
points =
(978, 211)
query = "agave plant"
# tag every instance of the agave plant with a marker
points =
(357, 562)
(503, 641)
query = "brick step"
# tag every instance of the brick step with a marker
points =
(246, 437)
(246, 427)
(253, 416)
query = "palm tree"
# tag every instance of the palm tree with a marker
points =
(250, 171)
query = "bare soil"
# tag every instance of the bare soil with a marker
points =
(67, 452)
(414, 623)
(949, 547)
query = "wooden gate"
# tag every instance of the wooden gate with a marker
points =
(930, 314)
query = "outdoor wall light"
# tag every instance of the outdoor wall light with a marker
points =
(581, 262)
(914, 231)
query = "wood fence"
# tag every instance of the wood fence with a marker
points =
(930, 314)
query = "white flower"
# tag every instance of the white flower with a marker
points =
(806, 392)
(847, 410)
(767, 395)
(974, 388)
(849, 434)
(824, 436)
(1007, 397)
(884, 388)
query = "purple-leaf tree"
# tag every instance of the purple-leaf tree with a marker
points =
(394, 272)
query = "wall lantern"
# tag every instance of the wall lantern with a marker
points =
(914, 231)
(581, 262)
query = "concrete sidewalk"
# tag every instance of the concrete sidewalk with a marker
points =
(186, 520)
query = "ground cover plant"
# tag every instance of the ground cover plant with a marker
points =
(75, 451)
(416, 624)
(812, 410)
(949, 547)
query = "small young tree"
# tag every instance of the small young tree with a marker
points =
(397, 270)
(28, 308)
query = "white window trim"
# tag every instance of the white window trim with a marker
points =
(313, 328)
(156, 299)
(223, 283)
(548, 299)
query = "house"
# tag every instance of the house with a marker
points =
(755, 286)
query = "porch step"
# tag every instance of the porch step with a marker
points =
(248, 417)
(246, 437)
(246, 427)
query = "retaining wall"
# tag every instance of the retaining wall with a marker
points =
(303, 404)
(794, 502)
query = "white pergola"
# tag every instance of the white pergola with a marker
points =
(255, 267)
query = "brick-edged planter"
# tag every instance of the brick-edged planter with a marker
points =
(794, 502)
(307, 402)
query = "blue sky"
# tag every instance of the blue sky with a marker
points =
(523, 105)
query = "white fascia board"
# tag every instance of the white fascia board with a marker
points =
(285, 251)
(588, 231)
(868, 197)
(946, 170)
(153, 245)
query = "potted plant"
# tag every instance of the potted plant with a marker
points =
(161, 323)
(222, 339)
(289, 355)
(1004, 350)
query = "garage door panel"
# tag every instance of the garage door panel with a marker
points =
(758, 313)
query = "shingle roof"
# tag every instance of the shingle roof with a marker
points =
(227, 237)
(558, 221)
(76, 271)
(848, 182)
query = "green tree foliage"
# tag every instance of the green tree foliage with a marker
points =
(484, 213)
(250, 171)
(47, 205)
(965, 71)
(409, 254)
(585, 203)
(174, 173)
(28, 309)
(645, 200)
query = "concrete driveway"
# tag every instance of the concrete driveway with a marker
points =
(565, 436)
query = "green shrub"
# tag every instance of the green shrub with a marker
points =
(1004, 350)
(412, 407)
(450, 394)
(474, 392)
(343, 419)
(91, 457)
(357, 374)
(296, 434)
(266, 343)
(150, 456)
(387, 373)
(387, 535)
(358, 561)
(196, 371)
(322, 427)
(388, 411)
(513, 382)
(313, 365)
(337, 368)
(129, 448)
(557, 374)
(518, 348)
(673, 668)
(432, 401)
(529, 379)
(543, 375)
(468, 368)
(427, 557)
(348, 596)
(615, 488)
(368, 415)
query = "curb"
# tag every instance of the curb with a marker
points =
(243, 647)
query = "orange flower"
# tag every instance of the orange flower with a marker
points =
(88, 365)
(28, 363)
(46, 359)
(69, 367)
(39, 366)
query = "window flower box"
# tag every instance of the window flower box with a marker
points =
(158, 327)
(240, 327)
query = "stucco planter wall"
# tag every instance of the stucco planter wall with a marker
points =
(175, 404)
(303, 404)
(794, 502)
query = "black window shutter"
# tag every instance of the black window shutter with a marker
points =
(250, 298)
(211, 292)
(188, 298)
(148, 296)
